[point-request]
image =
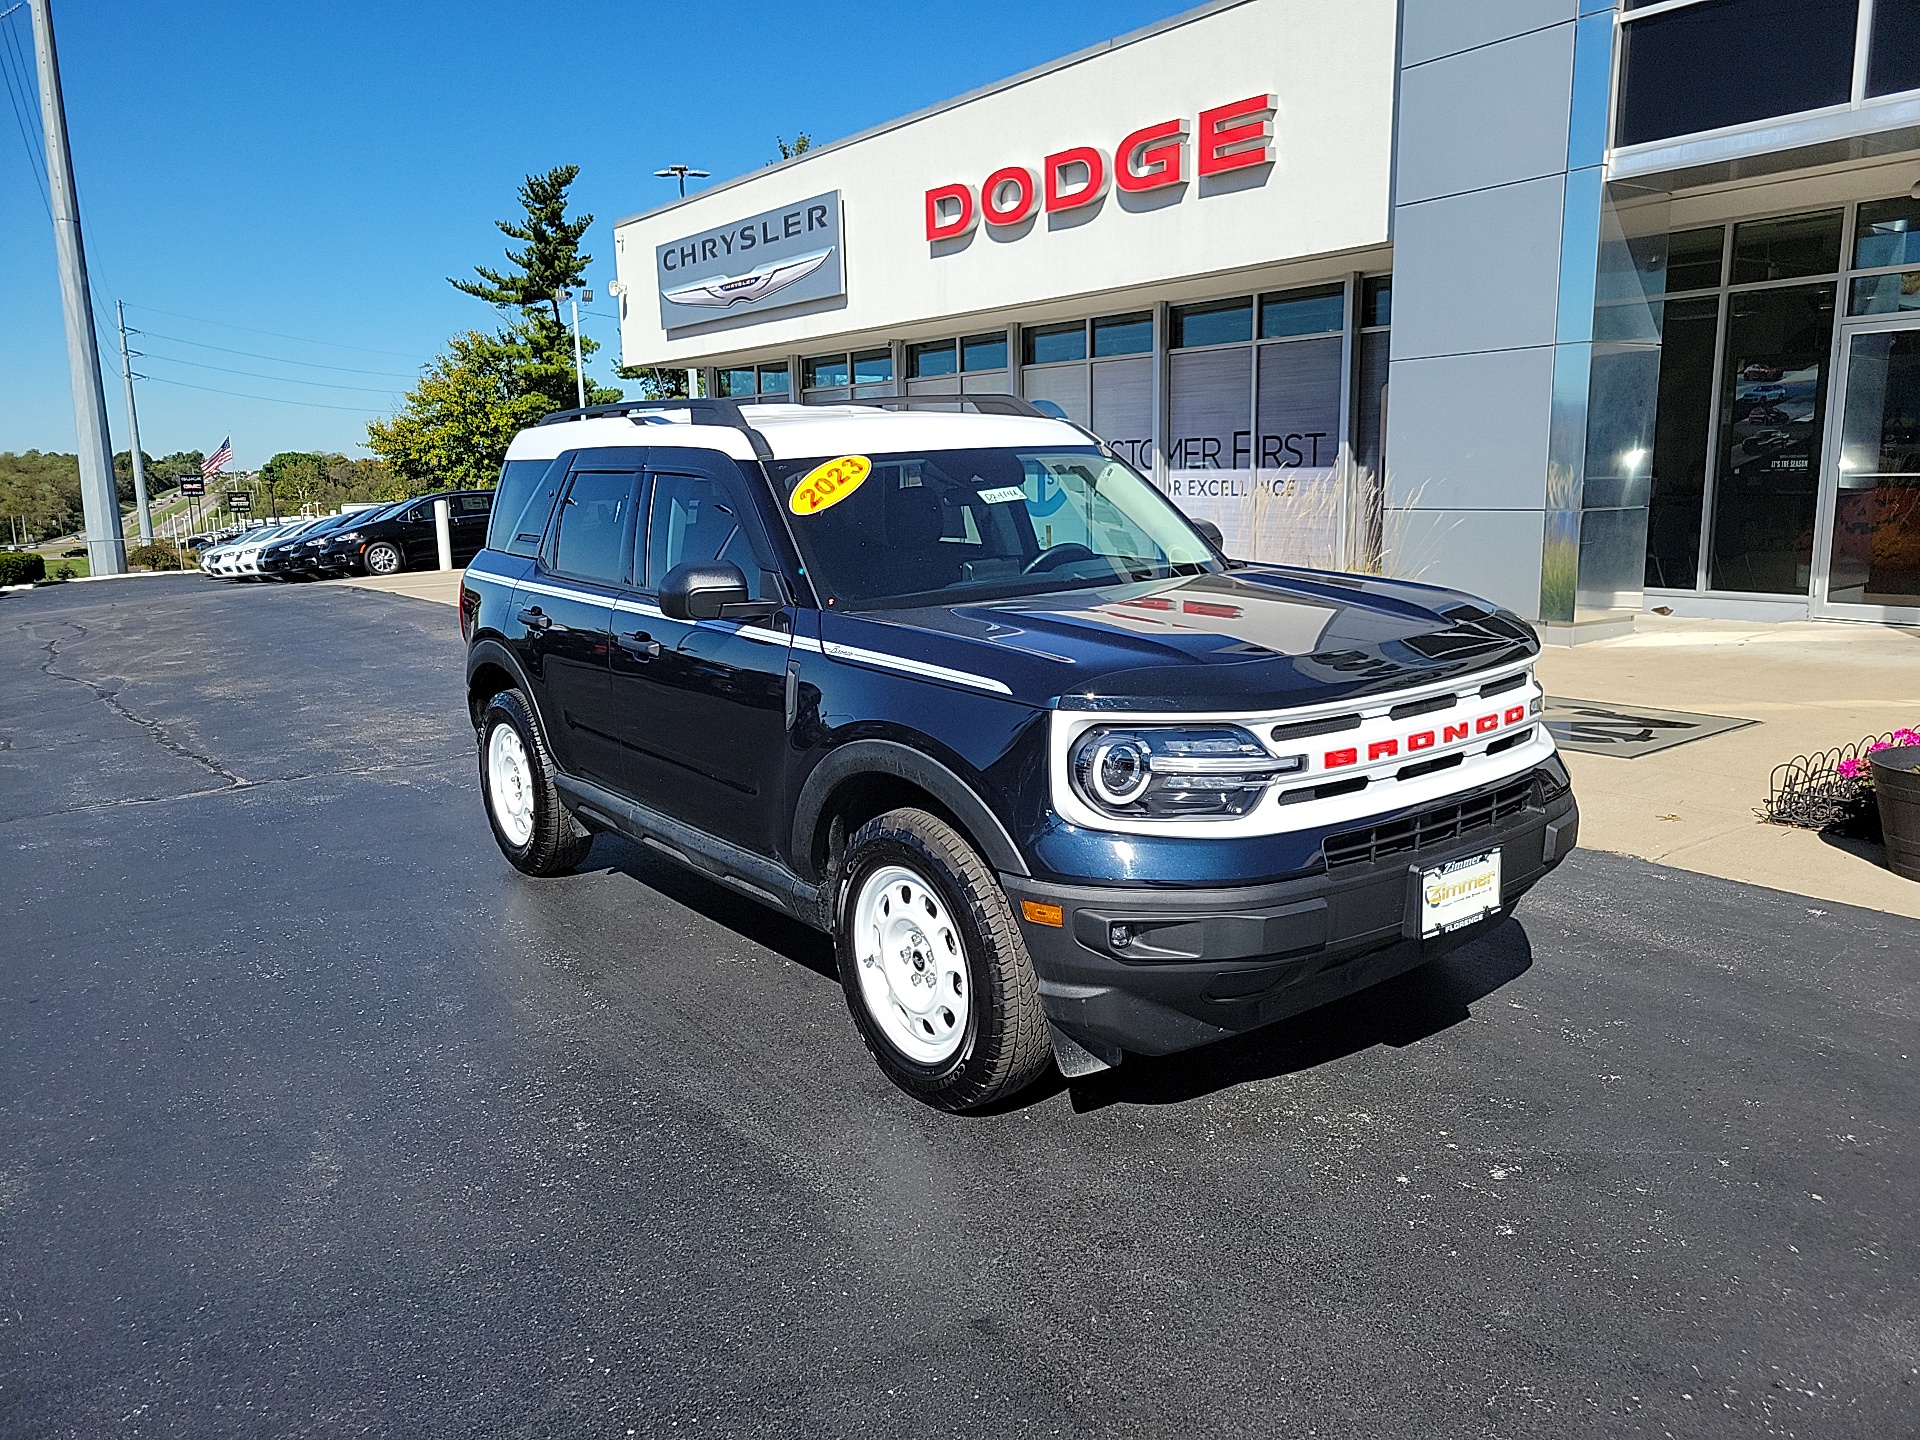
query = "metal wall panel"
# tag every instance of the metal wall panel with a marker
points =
(1494, 115)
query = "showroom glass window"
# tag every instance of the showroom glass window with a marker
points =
(1690, 66)
(1747, 376)
(1100, 373)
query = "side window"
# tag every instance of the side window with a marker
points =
(591, 533)
(471, 507)
(522, 504)
(694, 518)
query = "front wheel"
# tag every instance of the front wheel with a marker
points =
(384, 559)
(531, 826)
(935, 971)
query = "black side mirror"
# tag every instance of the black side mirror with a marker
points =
(1212, 533)
(710, 590)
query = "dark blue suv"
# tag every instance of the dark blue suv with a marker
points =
(962, 688)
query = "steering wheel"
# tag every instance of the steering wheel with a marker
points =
(1057, 556)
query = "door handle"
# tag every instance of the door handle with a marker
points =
(641, 643)
(534, 620)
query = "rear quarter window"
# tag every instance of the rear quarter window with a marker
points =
(521, 504)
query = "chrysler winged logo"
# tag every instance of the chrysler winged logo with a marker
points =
(756, 284)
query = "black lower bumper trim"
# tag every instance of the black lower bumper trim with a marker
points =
(1155, 971)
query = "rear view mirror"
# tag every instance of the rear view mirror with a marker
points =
(710, 590)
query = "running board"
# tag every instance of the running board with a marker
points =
(758, 876)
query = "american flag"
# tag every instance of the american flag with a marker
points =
(211, 466)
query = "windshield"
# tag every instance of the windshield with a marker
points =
(947, 526)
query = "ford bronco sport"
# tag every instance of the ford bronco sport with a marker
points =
(948, 680)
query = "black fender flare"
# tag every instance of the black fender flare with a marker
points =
(488, 651)
(890, 757)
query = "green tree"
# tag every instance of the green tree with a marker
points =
(295, 479)
(551, 260)
(457, 421)
(169, 470)
(41, 491)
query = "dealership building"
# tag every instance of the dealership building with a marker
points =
(1588, 308)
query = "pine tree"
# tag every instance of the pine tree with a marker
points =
(551, 260)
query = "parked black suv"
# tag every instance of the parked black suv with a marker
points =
(402, 536)
(966, 691)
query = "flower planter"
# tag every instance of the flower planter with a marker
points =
(1896, 783)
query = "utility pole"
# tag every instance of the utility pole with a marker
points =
(133, 433)
(99, 500)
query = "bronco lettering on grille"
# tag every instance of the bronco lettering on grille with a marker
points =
(1426, 739)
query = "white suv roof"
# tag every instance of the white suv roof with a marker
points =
(796, 432)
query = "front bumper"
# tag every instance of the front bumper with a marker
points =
(1200, 965)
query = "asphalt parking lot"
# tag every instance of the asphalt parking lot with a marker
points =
(318, 1119)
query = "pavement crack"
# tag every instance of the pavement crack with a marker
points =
(156, 731)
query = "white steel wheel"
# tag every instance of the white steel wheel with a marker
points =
(912, 965)
(510, 785)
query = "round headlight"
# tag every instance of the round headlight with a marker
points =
(1116, 769)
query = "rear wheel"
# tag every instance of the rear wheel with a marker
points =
(384, 558)
(531, 826)
(936, 974)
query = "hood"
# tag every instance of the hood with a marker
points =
(1258, 636)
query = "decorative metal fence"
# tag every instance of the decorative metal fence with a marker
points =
(1809, 791)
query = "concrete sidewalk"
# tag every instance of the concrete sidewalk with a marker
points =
(1811, 686)
(440, 585)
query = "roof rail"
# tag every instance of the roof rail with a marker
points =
(984, 404)
(703, 410)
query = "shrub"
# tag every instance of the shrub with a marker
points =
(157, 555)
(18, 568)
(64, 572)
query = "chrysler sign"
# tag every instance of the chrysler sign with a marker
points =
(765, 262)
(1237, 136)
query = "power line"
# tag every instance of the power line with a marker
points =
(273, 379)
(22, 97)
(268, 399)
(276, 334)
(277, 359)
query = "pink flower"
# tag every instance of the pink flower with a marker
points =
(1850, 769)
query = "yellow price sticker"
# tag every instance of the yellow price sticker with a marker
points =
(829, 484)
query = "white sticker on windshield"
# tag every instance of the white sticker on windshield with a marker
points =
(1003, 494)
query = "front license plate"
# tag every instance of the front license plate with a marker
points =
(1459, 893)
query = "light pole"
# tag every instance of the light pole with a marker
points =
(680, 173)
(579, 369)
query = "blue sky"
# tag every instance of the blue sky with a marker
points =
(318, 171)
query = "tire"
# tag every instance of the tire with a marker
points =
(531, 826)
(950, 1011)
(384, 558)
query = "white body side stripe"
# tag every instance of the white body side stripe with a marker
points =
(853, 654)
(760, 634)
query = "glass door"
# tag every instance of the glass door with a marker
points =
(1872, 487)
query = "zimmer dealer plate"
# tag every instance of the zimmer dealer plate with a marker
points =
(1459, 893)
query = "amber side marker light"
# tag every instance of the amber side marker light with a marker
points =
(1039, 914)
